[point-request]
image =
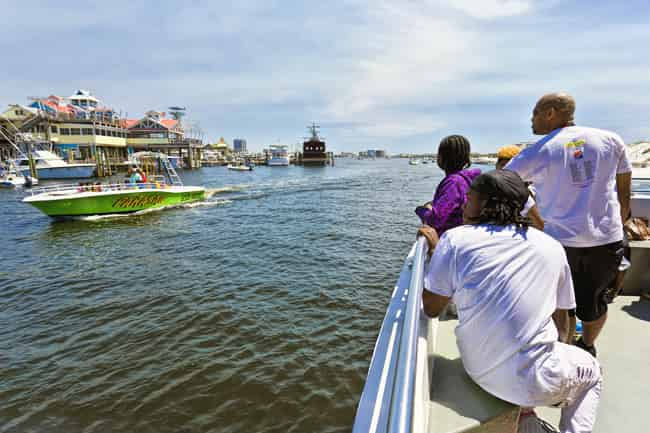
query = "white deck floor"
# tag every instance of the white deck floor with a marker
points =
(624, 354)
(459, 405)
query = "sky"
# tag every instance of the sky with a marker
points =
(393, 75)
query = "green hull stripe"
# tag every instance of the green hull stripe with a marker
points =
(118, 203)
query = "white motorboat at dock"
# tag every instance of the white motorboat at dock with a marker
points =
(51, 166)
(10, 177)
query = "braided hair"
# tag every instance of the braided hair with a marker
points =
(453, 153)
(505, 195)
(503, 212)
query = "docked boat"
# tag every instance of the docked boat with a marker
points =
(484, 160)
(10, 177)
(240, 167)
(279, 156)
(416, 381)
(313, 149)
(165, 189)
(51, 166)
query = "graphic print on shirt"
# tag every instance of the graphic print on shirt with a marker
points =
(581, 166)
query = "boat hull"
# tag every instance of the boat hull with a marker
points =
(113, 202)
(82, 171)
(278, 162)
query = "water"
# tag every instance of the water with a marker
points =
(256, 311)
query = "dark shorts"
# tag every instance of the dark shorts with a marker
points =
(592, 271)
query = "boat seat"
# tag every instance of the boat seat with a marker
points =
(457, 404)
(637, 279)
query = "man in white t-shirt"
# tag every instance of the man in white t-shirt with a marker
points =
(583, 181)
(510, 283)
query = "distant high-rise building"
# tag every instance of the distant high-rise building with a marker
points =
(239, 145)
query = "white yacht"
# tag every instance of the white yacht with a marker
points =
(51, 166)
(279, 156)
(10, 177)
(416, 382)
(639, 154)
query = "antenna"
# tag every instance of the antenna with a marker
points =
(176, 112)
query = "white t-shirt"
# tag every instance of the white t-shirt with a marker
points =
(574, 172)
(506, 285)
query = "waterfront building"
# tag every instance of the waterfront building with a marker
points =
(155, 132)
(80, 127)
(239, 145)
(76, 132)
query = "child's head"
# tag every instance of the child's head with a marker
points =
(453, 153)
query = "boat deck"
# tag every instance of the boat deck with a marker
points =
(457, 404)
(624, 353)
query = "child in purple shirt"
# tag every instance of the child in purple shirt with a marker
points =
(446, 210)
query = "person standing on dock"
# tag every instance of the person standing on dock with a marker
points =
(583, 181)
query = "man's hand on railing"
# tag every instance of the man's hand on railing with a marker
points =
(431, 235)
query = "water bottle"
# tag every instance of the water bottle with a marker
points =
(578, 327)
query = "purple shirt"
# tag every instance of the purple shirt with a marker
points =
(447, 206)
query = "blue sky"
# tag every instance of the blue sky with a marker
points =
(395, 75)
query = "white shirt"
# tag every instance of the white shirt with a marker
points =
(574, 171)
(506, 285)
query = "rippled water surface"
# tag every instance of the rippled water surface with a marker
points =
(255, 311)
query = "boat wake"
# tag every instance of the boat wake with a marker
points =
(209, 192)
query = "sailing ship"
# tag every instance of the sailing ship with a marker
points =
(313, 149)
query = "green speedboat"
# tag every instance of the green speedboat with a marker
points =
(112, 199)
(85, 200)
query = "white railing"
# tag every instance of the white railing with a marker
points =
(388, 398)
(111, 187)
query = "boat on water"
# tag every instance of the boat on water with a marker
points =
(51, 166)
(10, 177)
(484, 160)
(161, 190)
(639, 155)
(240, 167)
(414, 162)
(279, 156)
(416, 381)
(313, 148)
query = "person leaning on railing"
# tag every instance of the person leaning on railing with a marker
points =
(512, 286)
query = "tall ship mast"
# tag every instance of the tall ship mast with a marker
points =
(313, 148)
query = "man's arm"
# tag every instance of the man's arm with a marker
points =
(561, 319)
(624, 191)
(433, 304)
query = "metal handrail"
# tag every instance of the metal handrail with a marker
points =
(402, 403)
(111, 187)
(388, 398)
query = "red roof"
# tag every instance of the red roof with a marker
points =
(169, 123)
(128, 123)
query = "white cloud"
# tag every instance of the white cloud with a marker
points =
(490, 9)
